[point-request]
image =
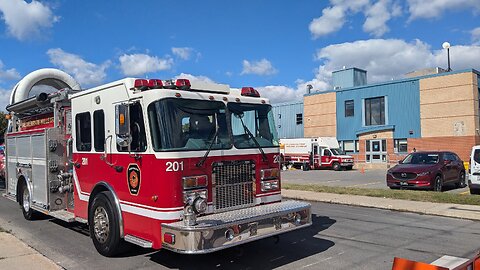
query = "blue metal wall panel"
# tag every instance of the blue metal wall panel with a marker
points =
(285, 115)
(402, 110)
(350, 77)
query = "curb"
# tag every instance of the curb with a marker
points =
(470, 212)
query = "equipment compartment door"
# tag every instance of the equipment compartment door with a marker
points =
(39, 170)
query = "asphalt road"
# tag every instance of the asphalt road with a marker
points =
(342, 237)
(370, 178)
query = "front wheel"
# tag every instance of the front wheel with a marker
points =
(104, 227)
(25, 202)
(336, 166)
(437, 184)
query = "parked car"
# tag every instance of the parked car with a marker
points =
(427, 170)
(474, 169)
(2, 163)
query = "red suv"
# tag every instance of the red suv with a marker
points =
(427, 170)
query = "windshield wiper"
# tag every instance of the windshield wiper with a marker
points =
(200, 163)
(264, 157)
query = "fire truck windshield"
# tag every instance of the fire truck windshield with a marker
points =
(257, 119)
(188, 125)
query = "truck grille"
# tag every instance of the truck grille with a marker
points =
(233, 184)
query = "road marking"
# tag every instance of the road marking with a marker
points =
(332, 181)
(367, 184)
(465, 192)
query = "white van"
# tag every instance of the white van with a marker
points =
(474, 170)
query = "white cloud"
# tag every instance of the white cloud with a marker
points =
(4, 99)
(377, 17)
(332, 20)
(140, 64)
(262, 67)
(435, 8)
(476, 36)
(377, 14)
(84, 72)
(8, 74)
(25, 20)
(183, 53)
(282, 93)
(385, 59)
(194, 78)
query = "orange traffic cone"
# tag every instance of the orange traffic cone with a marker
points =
(362, 170)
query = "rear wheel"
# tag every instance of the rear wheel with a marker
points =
(336, 166)
(349, 168)
(25, 202)
(104, 227)
(461, 180)
(437, 184)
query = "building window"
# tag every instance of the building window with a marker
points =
(349, 108)
(99, 131)
(375, 111)
(400, 145)
(83, 131)
(299, 119)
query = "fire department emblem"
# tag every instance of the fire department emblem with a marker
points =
(133, 179)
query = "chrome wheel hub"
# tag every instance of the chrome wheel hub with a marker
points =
(101, 225)
(26, 200)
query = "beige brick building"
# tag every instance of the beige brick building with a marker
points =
(381, 123)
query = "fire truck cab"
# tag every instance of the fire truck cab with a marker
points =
(190, 167)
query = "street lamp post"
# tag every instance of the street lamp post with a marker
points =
(446, 45)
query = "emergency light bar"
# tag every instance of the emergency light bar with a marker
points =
(155, 84)
(181, 84)
(249, 92)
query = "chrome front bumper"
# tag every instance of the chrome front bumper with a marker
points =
(223, 230)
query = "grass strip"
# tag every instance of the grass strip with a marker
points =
(411, 195)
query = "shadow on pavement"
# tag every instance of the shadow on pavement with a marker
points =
(261, 254)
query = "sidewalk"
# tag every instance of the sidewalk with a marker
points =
(471, 212)
(14, 254)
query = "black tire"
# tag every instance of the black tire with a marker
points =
(103, 225)
(438, 184)
(24, 201)
(349, 168)
(461, 180)
(336, 166)
(474, 191)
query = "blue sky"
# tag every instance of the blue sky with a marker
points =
(276, 46)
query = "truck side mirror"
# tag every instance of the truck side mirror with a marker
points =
(122, 127)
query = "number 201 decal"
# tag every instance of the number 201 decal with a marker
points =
(174, 166)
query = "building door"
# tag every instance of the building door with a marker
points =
(376, 151)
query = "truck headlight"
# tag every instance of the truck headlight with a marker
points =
(270, 185)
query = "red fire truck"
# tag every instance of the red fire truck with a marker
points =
(314, 153)
(193, 168)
